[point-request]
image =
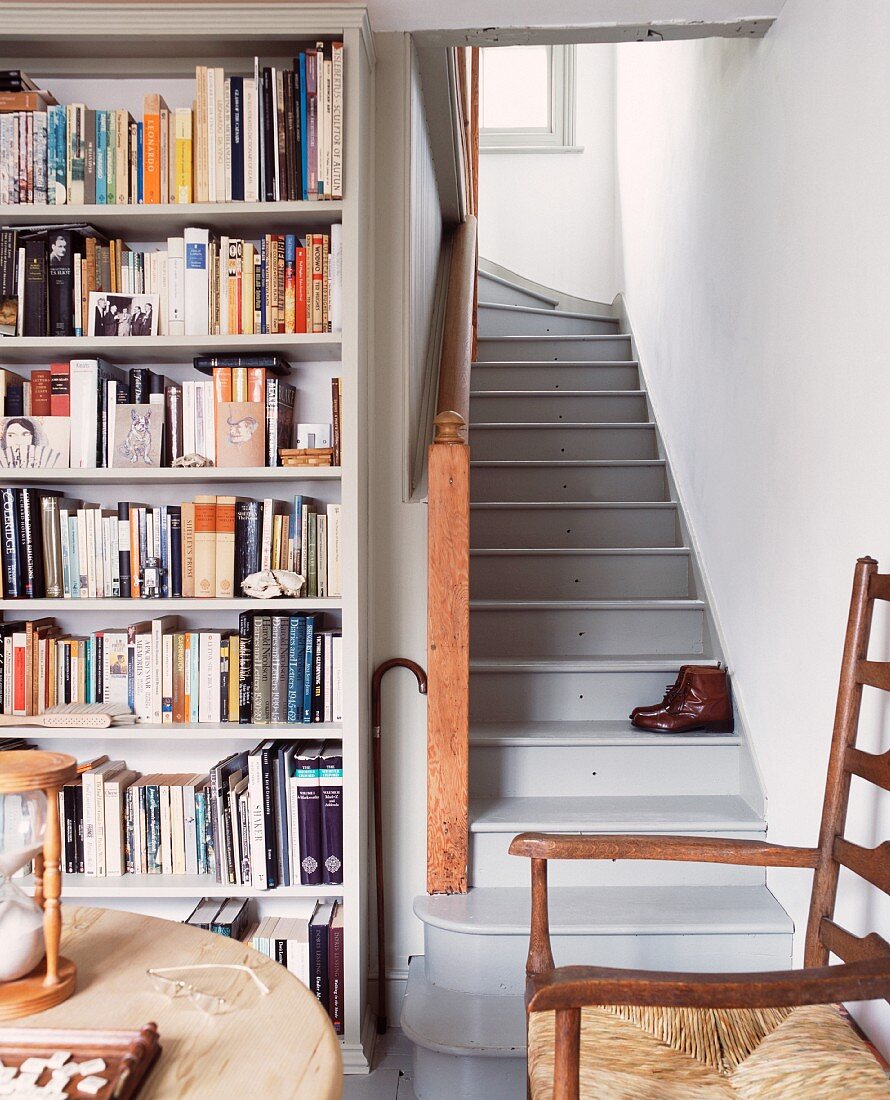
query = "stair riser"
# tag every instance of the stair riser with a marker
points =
(552, 528)
(546, 576)
(552, 444)
(574, 483)
(490, 865)
(496, 964)
(452, 1077)
(613, 408)
(591, 771)
(490, 290)
(555, 376)
(555, 350)
(567, 696)
(506, 322)
(585, 632)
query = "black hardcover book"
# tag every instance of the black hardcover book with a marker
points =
(224, 673)
(271, 364)
(318, 678)
(319, 930)
(9, 303)
(64, 249)
(14, 80)
(30, 542)
(247, 541)
(269, 123)
(69, 826)
(98, 685)
(280, 403)
(267, 762)
(12, 559)
(306, 765)
(278, 678)
(174, 512)
(78, 821)
(139, 385)
(15, 398)
(35, 323)
(108, 373)
(172, 424)
(262, 668)
(331, 786)
(123, 548)
(297, 135)
(245, 668)
(236, 106)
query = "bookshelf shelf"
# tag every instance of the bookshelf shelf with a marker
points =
(162, 220)
(169, 607)
(308, 347)
(175, 886)
(286, 476)
(190, 732)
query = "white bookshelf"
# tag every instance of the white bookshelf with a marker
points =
(109, 55)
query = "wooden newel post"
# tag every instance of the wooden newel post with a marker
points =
(448, 657)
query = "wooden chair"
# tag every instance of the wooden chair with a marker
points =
(657, 1029)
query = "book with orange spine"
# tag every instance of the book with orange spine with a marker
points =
(225, 547)
(205, 546)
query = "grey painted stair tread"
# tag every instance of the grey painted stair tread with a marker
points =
(603, 732)
(611, 911)
(615, 814)
(592, 550)
(601, 504)
(558, 338)
(461, 1023)
(512, 425)
(548, 364)
(588, 605)
(508, 307)
(558, 464)
(558, 393)
(653, 662)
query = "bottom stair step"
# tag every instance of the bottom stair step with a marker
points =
(477, 942)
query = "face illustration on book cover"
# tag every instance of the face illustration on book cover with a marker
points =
(240, 434)
(123, 314)
(34, 442)
(138, 430)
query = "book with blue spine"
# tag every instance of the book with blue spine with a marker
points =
(306, 782)
(330, 781)
(308, 668)
(140, 175)
(296, 668)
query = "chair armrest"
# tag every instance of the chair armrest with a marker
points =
(688, 849)
(576, 986)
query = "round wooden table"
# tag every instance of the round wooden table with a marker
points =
(276, 1045)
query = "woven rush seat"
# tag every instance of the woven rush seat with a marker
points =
(808, 1053)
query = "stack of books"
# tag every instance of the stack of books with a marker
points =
(272, 670)
(71, 280)
(88, 413)
(273, 135)
(268, 818)
(57, 547)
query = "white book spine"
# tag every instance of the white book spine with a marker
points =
(328, 677)
(209, 423)
(335, 279)
(114, 823)
(210, 134)
(157, 684)
(222, 285)
(84, 395)
(167, 679)
(188, 416)
(337, 122)
(197, 282)
(190, 830)
(337, 680)
(159, 277)
(175, 286)
(257, 830)
(219, 142)
(20, 294)
(100, 825)
(276, 183)
(177, 830)
(227, 137)
(251, 178)
(327, 119)
(335, 568)
(89, 823)
(165, 850)
(205, 686)
(108, 522)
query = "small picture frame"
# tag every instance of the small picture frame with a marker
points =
(35, 442)
(122, 314)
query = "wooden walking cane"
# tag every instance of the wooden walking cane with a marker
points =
(379, 673)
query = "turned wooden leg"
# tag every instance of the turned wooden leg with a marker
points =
(52, 887)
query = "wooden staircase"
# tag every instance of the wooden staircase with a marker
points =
(585, 599)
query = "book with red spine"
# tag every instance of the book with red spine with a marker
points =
(41, 402)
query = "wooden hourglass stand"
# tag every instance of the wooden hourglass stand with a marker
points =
(52, 980)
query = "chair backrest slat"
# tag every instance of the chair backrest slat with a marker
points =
(852, 948)
(874, 674)
(879, 586)
(872, 864)
(876, 769)
(837, 784)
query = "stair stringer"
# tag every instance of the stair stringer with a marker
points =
(751, 784)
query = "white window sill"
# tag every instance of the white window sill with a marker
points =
(531, 149)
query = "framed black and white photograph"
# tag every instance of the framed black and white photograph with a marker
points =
(123, 314)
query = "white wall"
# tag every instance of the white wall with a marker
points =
(753, 194)
(550, 216)
(398, 530)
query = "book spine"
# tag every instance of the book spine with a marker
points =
(267, 757)
(245, 668)
(336, 973)
(175, 550)
(318, 961)
(309, 818)
(331, 795)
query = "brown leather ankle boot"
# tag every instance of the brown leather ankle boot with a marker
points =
(669, 692)
(701, 702)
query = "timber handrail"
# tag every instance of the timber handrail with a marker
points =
(453, 396)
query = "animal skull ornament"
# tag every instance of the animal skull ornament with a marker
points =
(191, 462)
(271, 583)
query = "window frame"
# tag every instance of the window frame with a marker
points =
(559, 136)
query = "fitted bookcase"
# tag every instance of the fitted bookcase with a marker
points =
(110, 55)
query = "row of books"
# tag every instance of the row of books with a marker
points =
(272, 669)
(308, 942)
(57, 547)
(87, 413)
(275, 135)
(72, 281)
(266, 818)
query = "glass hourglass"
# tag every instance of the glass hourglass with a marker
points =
(22, 831)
